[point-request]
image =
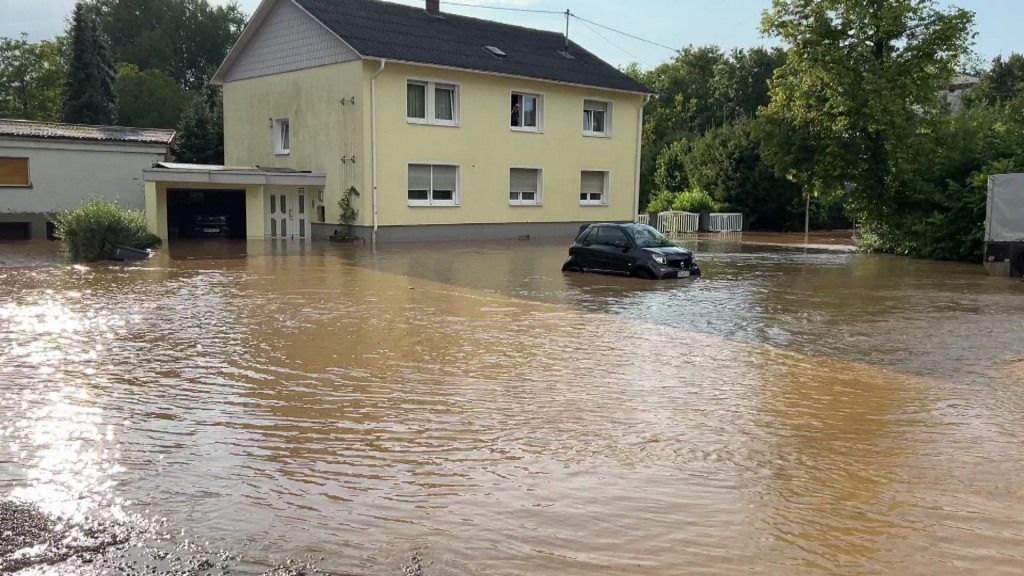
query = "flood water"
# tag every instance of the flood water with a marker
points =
(795, 412)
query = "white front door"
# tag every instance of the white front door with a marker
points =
(287, 215)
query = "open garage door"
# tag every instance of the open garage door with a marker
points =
(206, 213)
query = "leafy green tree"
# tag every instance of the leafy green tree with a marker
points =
(860, 79)
(149, 99)
(940, 213)
(741, 83)
(187, 39)
(671, 170)
(89, 96)
(200, 133)
(30, 79)
(700, 89)
(1002, 82)
(727, 163)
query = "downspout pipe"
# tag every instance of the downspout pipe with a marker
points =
(639, 151)
(373, 144)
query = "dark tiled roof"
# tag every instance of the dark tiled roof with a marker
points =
(32, 129)
(397, 32)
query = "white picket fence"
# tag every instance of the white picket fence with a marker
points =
(730, 222)
(675, 222)
(643, 219)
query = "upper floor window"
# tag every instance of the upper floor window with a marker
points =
(432, 103)
(433, 185)
(524, 186)
(597, 116)
(14, 171)
(282, 136)
(593, 188)
(527, 111)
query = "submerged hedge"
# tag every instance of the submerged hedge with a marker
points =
(93, 230)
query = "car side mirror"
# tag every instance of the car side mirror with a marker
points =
(621, 244)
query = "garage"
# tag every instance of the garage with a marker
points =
(199, 213)
(200, 201)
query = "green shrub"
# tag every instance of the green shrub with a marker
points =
(661, 202)
(696, 201)
(94, 229)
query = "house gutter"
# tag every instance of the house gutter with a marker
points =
(373, 140)
(639, 150)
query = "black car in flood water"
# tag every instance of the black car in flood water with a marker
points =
(630, 250)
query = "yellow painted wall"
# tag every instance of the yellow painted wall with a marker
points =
(486, 147)
(322, 129)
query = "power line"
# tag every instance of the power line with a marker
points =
(504, 8)
(605, 38)
(627, 34)
(583, 20)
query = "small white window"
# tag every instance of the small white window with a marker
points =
(525, 185)
(527, 111)
(593, 188)
(282, 136)
(433, 185)
(432, 103)
(597, 117)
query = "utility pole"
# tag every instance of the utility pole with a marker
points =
(567, 16)
(807, 219)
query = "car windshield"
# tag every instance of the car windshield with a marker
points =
(648, 237)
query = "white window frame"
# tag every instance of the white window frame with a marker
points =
(540, 111)
(279, 144)
(608, 115)
(431, 86)
(456, 196)
(539, 199)
(605, 195)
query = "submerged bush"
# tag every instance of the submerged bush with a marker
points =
(93, 230)
(695, 200)
(661, 202)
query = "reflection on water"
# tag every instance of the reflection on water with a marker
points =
(794, 412)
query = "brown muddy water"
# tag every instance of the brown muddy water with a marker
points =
(795, 412)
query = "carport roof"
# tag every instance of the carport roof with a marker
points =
(240, 175)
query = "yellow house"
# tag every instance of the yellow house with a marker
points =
(436, 126)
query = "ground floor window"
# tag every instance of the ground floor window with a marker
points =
(14, 171)
(433, 185)
(524, 186)
(593, 187)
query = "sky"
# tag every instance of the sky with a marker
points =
(675, 23)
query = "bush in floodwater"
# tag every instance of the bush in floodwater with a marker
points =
(93, 230)
(696, 200)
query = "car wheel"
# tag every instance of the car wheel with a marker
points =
(571, 268)
(643, 273)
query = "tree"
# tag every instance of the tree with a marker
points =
(187, 39)
(30, 79)
(150, 99)
(1002, 82)
(89, 96)
(741, 83)
(671, 171)
(860, 79)
(727, 164)
(700, 89)
(200, 134)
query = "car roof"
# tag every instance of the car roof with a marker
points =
(614, 224)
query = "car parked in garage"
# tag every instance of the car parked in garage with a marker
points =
(210, 225)
(629, 250)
